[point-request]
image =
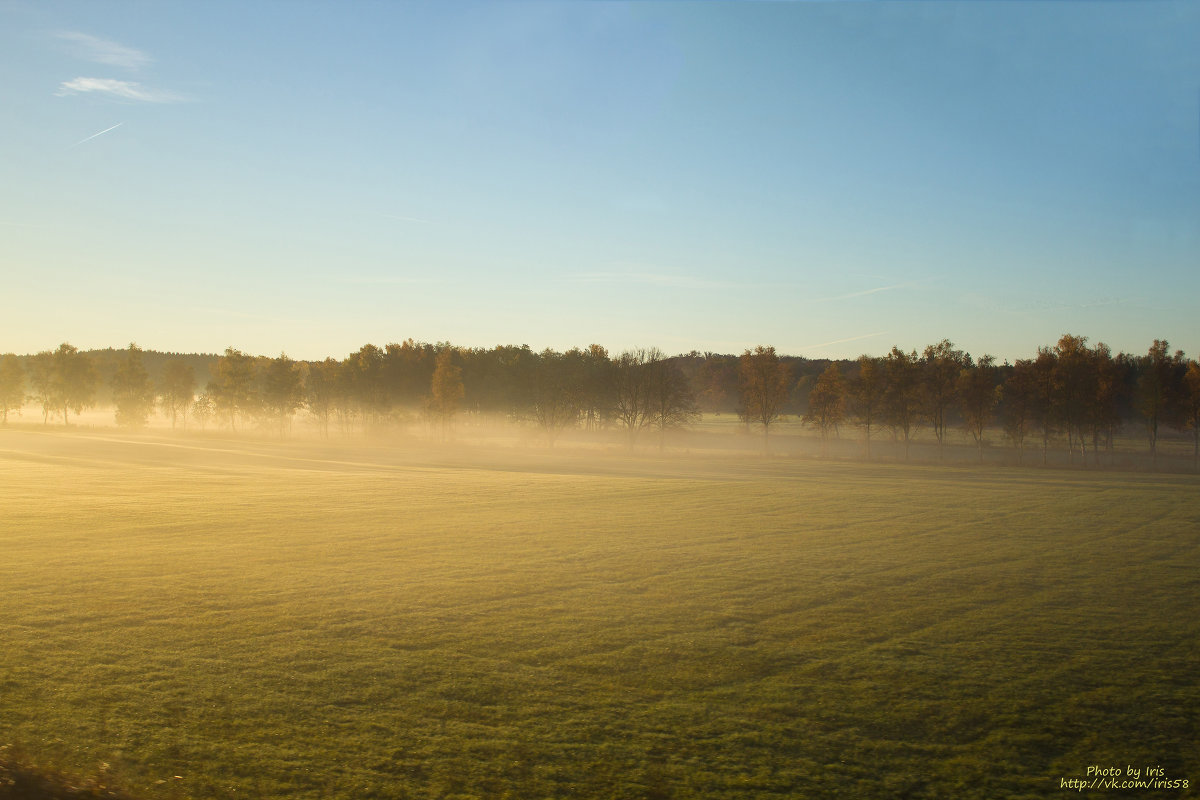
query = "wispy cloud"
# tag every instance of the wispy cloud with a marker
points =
(652, 279)
(842, 341)
(103, 51)
(94, 135)
(387, 280)
(404, 219)
(864, 292)
(123, 90)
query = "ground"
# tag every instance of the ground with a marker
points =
(298, 619)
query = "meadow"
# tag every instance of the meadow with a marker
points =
(214, 617)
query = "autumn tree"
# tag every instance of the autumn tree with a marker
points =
(232, 390)
(1103, 411)
(865, 392)
(133, 394)
(939, 369)
(203, 410)
(671, 402)
(282, 390)
(364, 374)
(827, 402)
(902, 401)
(1018, 395)
(446, 389)
(553, 401)
(12, 385)
(1074, 384)
(631, 390)
(1156, 387)
(764, 381)
(177, 389)
(1189, 407)
(321, 392)
(977, 396)
(74, 384)
(41, 381)
(1043, 396)
(595, 390)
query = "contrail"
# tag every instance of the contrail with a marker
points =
(841, 341)
(94, 135)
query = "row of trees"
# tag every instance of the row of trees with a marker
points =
(1069, 391)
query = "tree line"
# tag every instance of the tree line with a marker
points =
(1073, 393)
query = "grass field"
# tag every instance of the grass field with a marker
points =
(296, 620)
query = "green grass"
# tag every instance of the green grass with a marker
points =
(295, 620)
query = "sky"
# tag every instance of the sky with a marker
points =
(827, 178)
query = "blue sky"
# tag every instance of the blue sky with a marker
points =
(829, 178)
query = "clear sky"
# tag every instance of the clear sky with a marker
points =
(829, 178)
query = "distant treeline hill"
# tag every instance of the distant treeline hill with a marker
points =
(1070, 394)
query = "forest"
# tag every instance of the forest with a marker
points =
(1069, 396)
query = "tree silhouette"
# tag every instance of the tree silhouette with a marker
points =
(74, 380)
(1019, 398)
(133, 394)
(1103, 412)
(365, 381)
(1155, 389)
(595, 395)
(41, 381)
(446, 389)
(231, 390)
(12, 385)
(1044, 396)
(282, 390)
(631, 390)
(764, 381)
(321, 391)
(866, 393)
(671, 402)
(902, 400)
(553, 403)
(1189, 407)
(827, 402)
(1075, 387)
(203, 410)
(177, 389)
(940, 366)
(977, 396)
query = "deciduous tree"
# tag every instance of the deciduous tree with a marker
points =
(827, 402)
(672, 404)
(1190, 408)
(133, 394)
(1018, 395)
(12, 385)
(631, 390)
(765, 382)
(446, 389)
(1075, 387)
(940, 367)
(977, 395)
(232, 389)
(1156, 387)
(177, 389)
(41, 381)
(902, 399)
(1043, 396)
(866, 393)
(74, 380)
(282, 390)
(321, 392)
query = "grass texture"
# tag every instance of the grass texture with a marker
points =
(271, 620)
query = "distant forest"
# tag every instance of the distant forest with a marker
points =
(1069, 394)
